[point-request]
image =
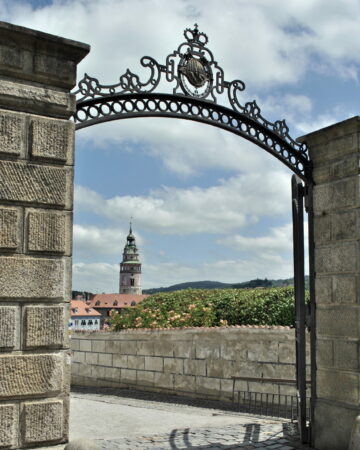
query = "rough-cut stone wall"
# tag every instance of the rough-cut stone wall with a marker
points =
(335, 154)
(37, 72)
(190, 362)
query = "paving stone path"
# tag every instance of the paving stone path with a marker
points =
(279, 436)
(132, 420)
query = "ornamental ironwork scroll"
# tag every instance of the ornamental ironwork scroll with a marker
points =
(197, 82)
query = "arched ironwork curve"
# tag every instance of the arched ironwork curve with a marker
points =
(125, 106)
(197, 82)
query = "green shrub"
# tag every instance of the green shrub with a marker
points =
(206, 308)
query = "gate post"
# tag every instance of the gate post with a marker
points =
(335, 153)
(37, 72)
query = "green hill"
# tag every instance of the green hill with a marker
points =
(257, 283)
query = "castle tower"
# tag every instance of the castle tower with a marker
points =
(130, 267)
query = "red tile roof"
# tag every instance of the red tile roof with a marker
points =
(115, 300)
(80, 308)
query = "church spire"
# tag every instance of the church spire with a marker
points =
(130, 267)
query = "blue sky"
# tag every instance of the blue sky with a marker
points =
(206, 204)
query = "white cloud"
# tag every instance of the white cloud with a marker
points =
(321, 121)
(96, 277)
(278, 240)
(104, 277)
(290, 106)
(184, 147)
(263, 42)
(301, 114)
(268, 256)
(229, 205)
(271, 266)
(168, 273)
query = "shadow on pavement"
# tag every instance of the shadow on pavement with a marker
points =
(249, 438)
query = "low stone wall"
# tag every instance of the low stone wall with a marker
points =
(196, 362)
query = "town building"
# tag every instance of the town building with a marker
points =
(130, 267)
(83, 316)
(105, 303)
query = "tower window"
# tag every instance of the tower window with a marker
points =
(132, 282)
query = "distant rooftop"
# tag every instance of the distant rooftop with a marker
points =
(80, 308)
(116, 300)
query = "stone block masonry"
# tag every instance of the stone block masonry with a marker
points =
(24, 277)
(31, 374)
(8, 418)
(10, 226)
(52, 139)
(12, 133)
(335, 152)
(54, 335)
(43, 421)
(35, 184)
(194, 362)
(9, 328)
(37, 72)
(48, 232)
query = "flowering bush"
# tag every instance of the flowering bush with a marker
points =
(206, 308)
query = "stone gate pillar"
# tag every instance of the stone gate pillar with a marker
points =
(37, 71)
(335, 152)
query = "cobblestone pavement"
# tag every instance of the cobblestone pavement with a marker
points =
(208, 427)
(254, 435)
(133, 420)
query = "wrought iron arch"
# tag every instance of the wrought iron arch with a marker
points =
(197, 81)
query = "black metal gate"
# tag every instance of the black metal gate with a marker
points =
(197, 81)
(298, 193)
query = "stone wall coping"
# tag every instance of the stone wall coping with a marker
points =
(44, 38)
(39, 57)
(184, 330)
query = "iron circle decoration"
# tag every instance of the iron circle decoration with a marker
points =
(197, 81)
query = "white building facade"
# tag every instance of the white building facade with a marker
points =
(83, 317)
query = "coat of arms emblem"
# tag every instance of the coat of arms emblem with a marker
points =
(195, 75)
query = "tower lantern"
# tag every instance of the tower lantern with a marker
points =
(130, 267)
